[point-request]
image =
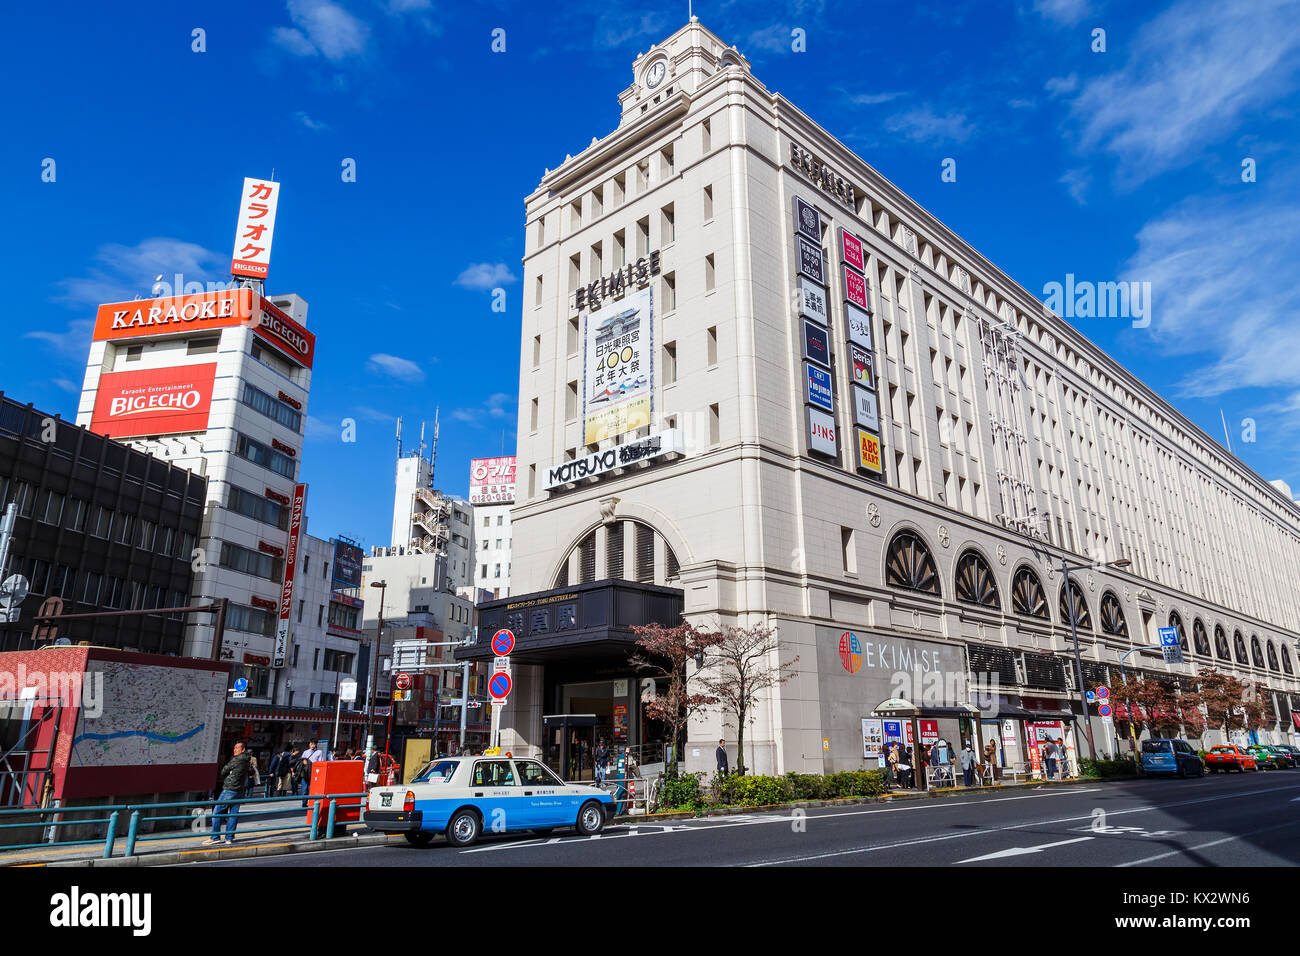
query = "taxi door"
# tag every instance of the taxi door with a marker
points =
(496, 792)
(547, 803)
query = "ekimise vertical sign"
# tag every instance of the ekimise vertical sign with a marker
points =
(286, 590)
(257, 204)
(156, 401)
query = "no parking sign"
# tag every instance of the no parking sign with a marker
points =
(503, 642)
(499, 685)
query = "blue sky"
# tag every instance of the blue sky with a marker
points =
(1122, 164)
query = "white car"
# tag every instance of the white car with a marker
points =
(463, 796)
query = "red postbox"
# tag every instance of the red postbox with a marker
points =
(336, 776)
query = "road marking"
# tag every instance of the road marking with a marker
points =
(1206, 846)
(1022, 850)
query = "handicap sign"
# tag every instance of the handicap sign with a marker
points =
(503, 642)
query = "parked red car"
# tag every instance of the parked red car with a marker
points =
(1227, 757)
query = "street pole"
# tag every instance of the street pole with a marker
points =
(1078, 663)
(464, 701)
(1128, 706)
(374, 680)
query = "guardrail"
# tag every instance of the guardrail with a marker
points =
(321, 823)
(634, 795)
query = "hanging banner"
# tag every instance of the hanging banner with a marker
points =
(256, 226)
(286, 589)
(618, 369)
(869, 452)
(811, 300)
(865, 411)
(863, 367)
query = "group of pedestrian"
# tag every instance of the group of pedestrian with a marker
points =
(1056, 760)
(288, 772)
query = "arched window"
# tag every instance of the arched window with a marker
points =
(1082, 616)
(1286, 660)
(1027, 595)
(1256, 652)
(1112, 616)
(1176, 623)
(975, 582)
(1221, 650)
(908, 565)
(1272, 656)
(641, 565)
(1200, 639)
(1239, 645)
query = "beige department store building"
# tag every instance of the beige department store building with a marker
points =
(893, 487)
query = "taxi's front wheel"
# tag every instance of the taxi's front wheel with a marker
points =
(591, 818)
(463, 828)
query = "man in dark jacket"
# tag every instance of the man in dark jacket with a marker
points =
(721, 756)
(233, 777)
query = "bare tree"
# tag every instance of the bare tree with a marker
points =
(665, 652)
(739, 668)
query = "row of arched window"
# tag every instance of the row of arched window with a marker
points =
(910, 565)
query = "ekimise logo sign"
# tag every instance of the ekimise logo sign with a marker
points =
(158, 401)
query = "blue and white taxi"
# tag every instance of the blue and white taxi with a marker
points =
(463, 796)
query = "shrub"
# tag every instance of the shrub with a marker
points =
(806, 786)
(755, 791)
(682, 792)
(1107, 769)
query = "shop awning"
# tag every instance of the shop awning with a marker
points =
(1295, 719)
(289, 714)
(898, 707)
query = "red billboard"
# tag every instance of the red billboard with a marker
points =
(286, 588)
(204, 311)
(156, 401)
(492, 481)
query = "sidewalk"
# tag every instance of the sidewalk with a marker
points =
(277, 832)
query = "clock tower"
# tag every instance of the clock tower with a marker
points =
(679, 64)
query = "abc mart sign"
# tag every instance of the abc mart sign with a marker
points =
(612, 459)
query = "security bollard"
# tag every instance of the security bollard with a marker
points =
(110, 836)
(131, 831)
(329, 824)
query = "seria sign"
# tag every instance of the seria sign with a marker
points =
(611, 459)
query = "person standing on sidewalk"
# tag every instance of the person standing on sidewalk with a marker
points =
(720, 755)
(233, 777)
(968, 759)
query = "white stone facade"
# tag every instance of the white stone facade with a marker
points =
(1004, 430)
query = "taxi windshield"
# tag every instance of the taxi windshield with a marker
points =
(437, 771)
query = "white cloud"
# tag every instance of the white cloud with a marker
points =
(485, 275)
(126, 272)
(73, 343)
(1192, 75)
(499, 407)
(923, 124)
(323, 28)
(872, 99)
(67, 385)
(773, 39)
(1222, 285)
(311, 124)
(404, 370)
(1065, 12)
(1076, 182)
(1060, 85)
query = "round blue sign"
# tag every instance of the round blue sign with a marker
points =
(241, 684)
(499, 685)
(1104, 710)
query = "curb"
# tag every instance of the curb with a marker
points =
(980, 792)
(174, 857)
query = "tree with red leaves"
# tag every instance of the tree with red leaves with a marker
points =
(665, 652)
(740, 668)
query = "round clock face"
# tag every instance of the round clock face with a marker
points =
(655, 75)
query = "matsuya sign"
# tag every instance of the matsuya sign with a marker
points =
(603, 462)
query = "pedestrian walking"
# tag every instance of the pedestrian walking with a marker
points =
(602, 759)
(282, 770)
(301, 774)
(234, 776)
(991, 757)
(909, 767)
(720, 755)
(968, 760)
(1049, 758)
(895, 769)
(1063, 759)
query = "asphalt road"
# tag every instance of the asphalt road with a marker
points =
(1237, 820)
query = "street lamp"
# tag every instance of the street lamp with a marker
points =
(1074, 636)
(1128, 704)
(374, 681)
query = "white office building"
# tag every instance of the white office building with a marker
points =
(761, 384)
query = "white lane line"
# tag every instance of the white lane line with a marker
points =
(1018, 826)
(1022, 850)
(1206, 846)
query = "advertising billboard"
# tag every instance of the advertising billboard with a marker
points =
(811, 301)
(492, 480)
(347, 564)
(821, 432)
(286, 588)
(869, 452)
(156, 401)
(819, 386)
(816, 343)
(807, 219)
(203, 312)
(851, 251)
(859, 325)
(855, 289)
(865, 410)
(618, 368)
(863, 367)
(255, 228)
(808, 257)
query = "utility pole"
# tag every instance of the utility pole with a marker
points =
(374, 670)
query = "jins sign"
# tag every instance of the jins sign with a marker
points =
(160, 401)
(821, 174)
(635, 275)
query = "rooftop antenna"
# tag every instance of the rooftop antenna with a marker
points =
(433, 448)
(399, 436)
(421, 439)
